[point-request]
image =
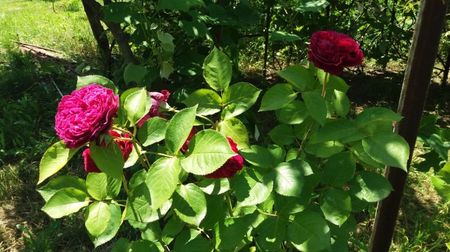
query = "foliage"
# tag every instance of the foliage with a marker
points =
(308, 177)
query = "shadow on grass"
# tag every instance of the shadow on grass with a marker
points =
(29, 92)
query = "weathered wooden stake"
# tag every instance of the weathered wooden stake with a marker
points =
(422, 55)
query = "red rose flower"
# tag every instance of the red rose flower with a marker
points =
(84, 114)
(126, 146)
(332, 51)
(232, 166)
(158, 98)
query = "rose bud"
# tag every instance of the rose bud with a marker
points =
(158, 100)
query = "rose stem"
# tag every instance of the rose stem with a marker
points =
(324, 92)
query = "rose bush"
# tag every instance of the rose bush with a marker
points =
(207, 178)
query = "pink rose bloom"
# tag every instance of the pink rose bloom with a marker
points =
(158, 98)
(84, 114)
(332, 51)
(126, 146)
(232, 166)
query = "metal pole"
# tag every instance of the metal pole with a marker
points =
(422, 55)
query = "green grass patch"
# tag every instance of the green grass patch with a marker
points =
(61, 25)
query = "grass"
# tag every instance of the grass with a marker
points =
(60, 25)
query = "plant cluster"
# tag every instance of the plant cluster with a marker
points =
(196, 179)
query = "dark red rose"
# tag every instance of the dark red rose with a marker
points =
(185, 146)
(125, 145)
(232, 166)
(85, 114)
(158, 98)
(332, 51)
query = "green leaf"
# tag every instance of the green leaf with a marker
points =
(282, 36)
(339, 169)
(162, 180)
(139, 209)
(208, 101)
(54, 158)
(152, 131)
(300, 77)
(181, 5)
(108, 159)
(337, 130)
(334, 83)
(65, 201)
(341, 103)
(316, 106)
(376, 120)
(293, 113)
(179, 128)
(309, 232)
(152, 232)
(324, 149)
(172, 227)
(144, 246)
(276, 97)
(249, 190)
(97, 218)
(238, 98)
(137, 105)
(230, 232)
(112, 226)
(97, 79)
(134, 73)
(387, 148)
(282, 134)
(100, 186)
(217, 70)
(214, 186)
(289, 178)
(192, 241)
(441, 187)
(271, 233)
(121, 245)
(190, 204)
(336, 205)
(312, 5)
(236, 130)
(371, 187)
(371, 115)
(210, 150)
(363, 157)
(263, 157)
(48, 190)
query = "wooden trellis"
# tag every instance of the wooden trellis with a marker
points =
(417, 78)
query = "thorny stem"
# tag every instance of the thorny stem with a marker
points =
(137, 146)
(266, 213)
(160, 154)
(324, 86)
(230, 206)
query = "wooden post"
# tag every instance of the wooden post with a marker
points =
(422, 55)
